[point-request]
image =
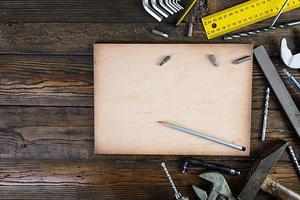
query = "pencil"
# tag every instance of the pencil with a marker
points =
(203, 136)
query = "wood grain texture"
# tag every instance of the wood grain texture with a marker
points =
(78, 38)
(56, 80)
(46, 102)
(131, 98)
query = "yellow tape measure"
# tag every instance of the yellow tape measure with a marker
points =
(243, 15)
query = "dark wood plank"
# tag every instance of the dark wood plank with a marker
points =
(67, 133)
(54, 80)
(78, 38)
(106, 179)
(46, 80)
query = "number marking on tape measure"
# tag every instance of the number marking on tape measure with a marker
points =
(243, 15)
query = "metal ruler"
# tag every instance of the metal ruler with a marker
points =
(244, 14)
(278, 87)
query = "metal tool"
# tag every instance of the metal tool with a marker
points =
(158, 9)
(292, 80)
(161, 9)
(151, 11)
(257, 177)
(186, 12)
(213, 60)
(159, 33)
(177, 194)
(203, 136)
(278, 87)
(190, 31)
(279, 13)
(166, 7)
(243, 15)
(220, 189)
(266, 111)
(192, 163)
(254, 32)
(292, 61)
(241, 60)
(165, 60)
(294, 158)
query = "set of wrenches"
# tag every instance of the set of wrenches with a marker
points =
(161, 8)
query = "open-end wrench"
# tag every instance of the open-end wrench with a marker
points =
(220, 188)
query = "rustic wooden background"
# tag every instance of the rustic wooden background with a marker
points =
(46, 114)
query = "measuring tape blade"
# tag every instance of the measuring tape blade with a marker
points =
(243, 15)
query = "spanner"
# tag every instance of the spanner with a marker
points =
(220, 189)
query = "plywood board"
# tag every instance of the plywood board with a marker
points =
(132, 93)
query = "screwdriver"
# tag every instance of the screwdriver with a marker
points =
(189, 163)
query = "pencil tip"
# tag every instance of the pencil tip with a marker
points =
(163, 123)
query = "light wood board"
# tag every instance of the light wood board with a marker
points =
(132, 93)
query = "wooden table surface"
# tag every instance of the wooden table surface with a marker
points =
(46, 114)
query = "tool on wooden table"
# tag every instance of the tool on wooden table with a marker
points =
(203, 136)
(258, 178)
(292, 80)
(161, 9)
(177, 194)
(165, 60)
(266, 111)
(213, 60)
(241, 60)
(278, 87)
(193, 163)
(279, 13)
(220, 189)
(294, 158)
(243, 15)
(254, 32)
(159, 33)
(186, 12)
(292, 61)
(190, 31)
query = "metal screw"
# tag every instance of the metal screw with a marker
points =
(159, 33)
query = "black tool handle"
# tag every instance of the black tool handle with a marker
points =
(211, 166)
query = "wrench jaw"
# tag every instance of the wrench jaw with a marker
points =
(201, 194)
(220, 188)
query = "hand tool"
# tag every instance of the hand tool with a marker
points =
(292, 61)
(151, 11)
(220, 189)
(292, 80)
(186, 12)
(279, 13)
(257, 177)
(178, 196)
(158, 9)
(165, 60)
(254, 32)
(241, 60)
(192, 163)
(278, 87)
(166, 7)
(213, 60)
(266, 110)
(203, 136)
(159, 33)
(243, 15)
(161, 9)
(294, 158)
